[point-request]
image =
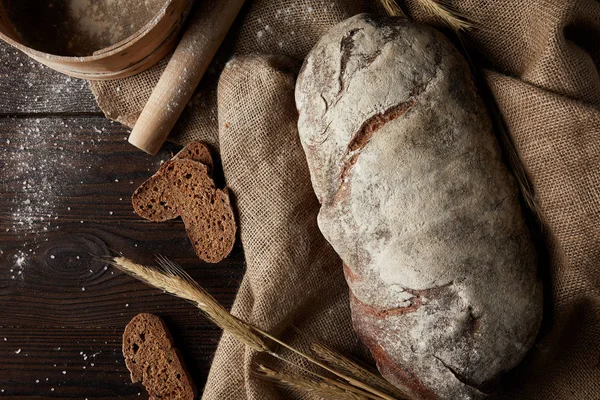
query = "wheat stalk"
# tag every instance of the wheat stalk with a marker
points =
(439, 8)
(514, 161)
(392, 8)
(443, 11)
(173, 279)
(358, 371)
(335, 382)
(347, 378)
(325, 387)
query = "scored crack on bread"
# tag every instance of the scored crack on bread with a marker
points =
(153, 361)
(206, 211)
(153, 200)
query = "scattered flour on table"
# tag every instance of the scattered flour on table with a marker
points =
(41, 162)
(17, 269)
(38, 169)
(19, 81)
(41, 167)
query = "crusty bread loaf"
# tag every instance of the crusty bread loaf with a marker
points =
(205, 210)
(418, 204)
(153, 361)
(153, 200)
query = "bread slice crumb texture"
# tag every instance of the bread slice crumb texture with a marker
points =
(153, 200)
(206, 211)
(153, 361)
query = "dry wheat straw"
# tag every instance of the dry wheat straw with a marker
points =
(335, 382)
(517, 167)
(349, 379)
(443, 11)
(392, 8)
(353, 368)
(318, 387)
(439, 8)
(171, 278)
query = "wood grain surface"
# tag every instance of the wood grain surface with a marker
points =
(66, 177)
(30, 88)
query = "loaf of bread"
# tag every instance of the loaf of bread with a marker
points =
(153, 361)
(417, 202)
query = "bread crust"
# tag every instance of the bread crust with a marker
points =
(153, 360)
(183, 187)
(417, 202)
(205, 210)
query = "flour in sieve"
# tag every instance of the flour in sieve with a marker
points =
(78, 27)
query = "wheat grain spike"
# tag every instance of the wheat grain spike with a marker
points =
(317, 387)
(358, 371)
(171, 278)
(451, 17)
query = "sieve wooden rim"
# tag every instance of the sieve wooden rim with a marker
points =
(131, 55)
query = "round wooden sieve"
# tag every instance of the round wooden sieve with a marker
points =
(137, 52)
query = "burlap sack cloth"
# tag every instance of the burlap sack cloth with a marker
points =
(540, 60)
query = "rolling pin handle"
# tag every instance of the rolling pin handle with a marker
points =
(208, 27)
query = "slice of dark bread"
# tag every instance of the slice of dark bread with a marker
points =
(206, 211)
(196, 151)
(153, 361)
(153, 200)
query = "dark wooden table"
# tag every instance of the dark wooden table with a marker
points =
(66, 177)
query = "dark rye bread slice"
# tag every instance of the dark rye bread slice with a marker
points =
(196, 151)
(153, 361)
(206, 211)
(153, 200)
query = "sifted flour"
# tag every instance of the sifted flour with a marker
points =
(78, 27)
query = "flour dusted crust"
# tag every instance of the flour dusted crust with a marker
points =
(418, 204)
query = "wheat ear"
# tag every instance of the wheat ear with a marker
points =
(174, 280)
(319, 387)
(353, 368)
(392, 8)
(171, 278)
(443, 11)
(354, 382)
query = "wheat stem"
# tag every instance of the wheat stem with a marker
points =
(171, 278)
(325, 387)
(341, 385)
(392, 8)
(450, 17)
(313, 360)
(174, 280)
(358, 371)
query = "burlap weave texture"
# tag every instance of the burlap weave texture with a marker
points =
(293, 275)
(540, 60)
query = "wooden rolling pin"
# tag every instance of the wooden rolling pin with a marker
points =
(208, 26)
